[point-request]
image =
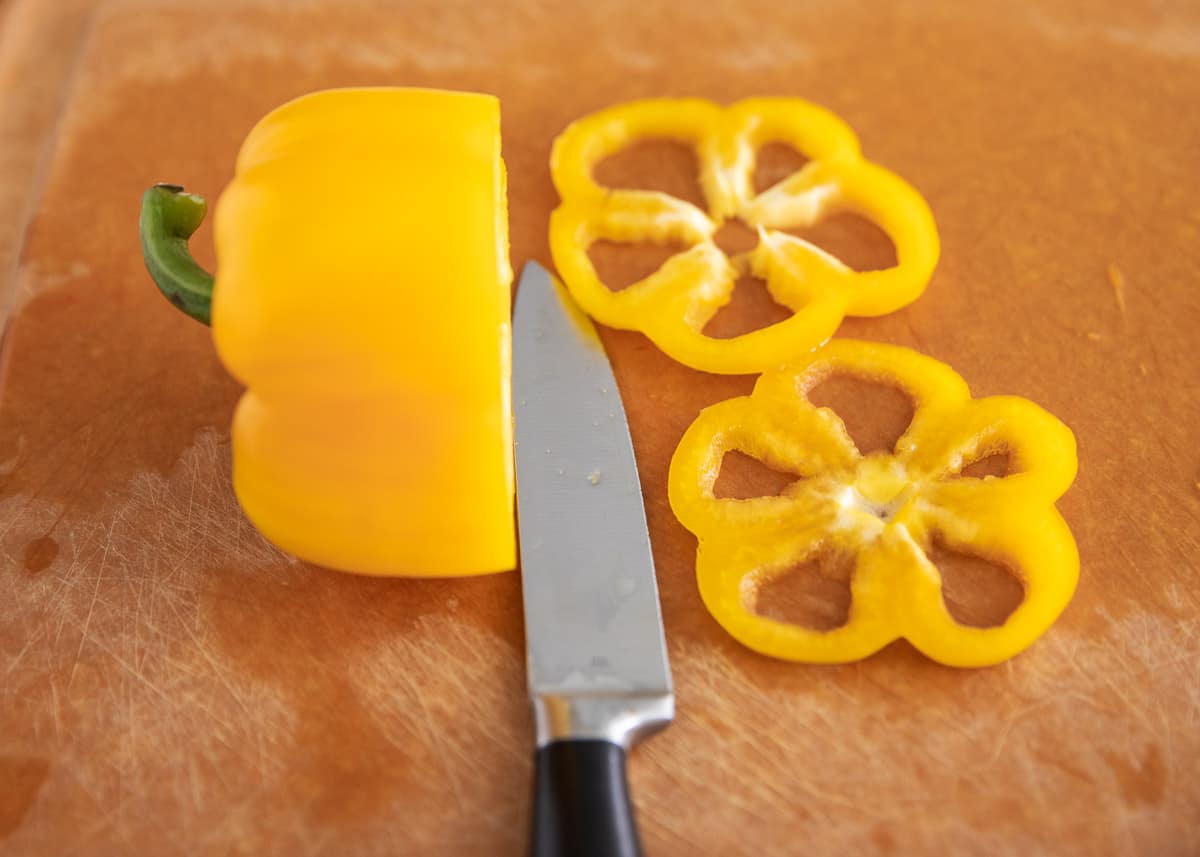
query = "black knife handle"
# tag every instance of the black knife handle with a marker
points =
(581, 802)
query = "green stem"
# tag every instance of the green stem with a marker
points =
(169, 217)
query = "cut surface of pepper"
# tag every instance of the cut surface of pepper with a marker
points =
(884, 509)
(672, 305)
(363, 297)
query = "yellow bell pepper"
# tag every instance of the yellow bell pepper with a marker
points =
(886, 509)
(363, 297)
(673, 305)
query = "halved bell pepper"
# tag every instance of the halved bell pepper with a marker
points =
(363, 297)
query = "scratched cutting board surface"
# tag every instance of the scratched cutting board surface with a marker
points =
(172, 684)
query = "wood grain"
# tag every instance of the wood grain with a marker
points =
(174, 685)
(39, 51)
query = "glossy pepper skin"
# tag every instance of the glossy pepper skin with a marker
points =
(883, 509)
(363, 297)
(673, 305)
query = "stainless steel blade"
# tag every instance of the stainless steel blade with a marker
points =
(597, 659)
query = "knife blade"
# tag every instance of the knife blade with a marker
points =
(596, 656)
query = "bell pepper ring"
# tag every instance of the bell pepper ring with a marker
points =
(363, 298)
(884, 509)
(672, 305)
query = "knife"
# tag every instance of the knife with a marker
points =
(596, 656)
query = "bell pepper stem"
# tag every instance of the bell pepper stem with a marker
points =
(169, 217)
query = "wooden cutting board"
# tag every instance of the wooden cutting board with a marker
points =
(174, 685)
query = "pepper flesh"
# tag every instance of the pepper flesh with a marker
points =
(363, 297)
(673, 305)
(886, 509)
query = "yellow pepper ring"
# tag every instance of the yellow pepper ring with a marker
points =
(673, 305)
(885, 509)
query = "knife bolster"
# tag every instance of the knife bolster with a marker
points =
(619, 718)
